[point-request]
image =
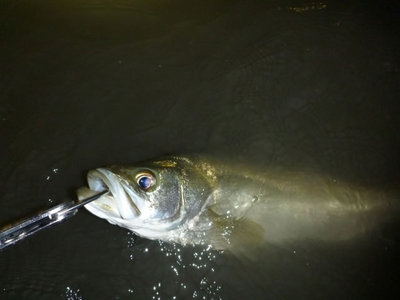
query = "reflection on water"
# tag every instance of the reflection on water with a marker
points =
(293, 84)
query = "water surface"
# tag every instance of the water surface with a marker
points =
(291, 84)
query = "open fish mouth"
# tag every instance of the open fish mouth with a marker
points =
(119, 202)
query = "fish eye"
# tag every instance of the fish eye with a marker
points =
(145, 180)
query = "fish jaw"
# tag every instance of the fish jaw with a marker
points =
(116, 203)
(103, 208)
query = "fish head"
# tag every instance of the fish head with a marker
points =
(151, 199)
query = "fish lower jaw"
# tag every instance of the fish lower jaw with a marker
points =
(102, 213)
(101, 179)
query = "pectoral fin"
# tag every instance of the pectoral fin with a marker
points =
(238, 236)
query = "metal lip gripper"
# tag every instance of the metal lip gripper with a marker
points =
(11, 234)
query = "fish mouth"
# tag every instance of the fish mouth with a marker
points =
(119, 202)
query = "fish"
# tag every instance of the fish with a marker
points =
(194, 200)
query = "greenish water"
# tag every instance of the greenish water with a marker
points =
(291, 84)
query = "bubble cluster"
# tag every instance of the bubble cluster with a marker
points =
(201, 261)
(156, 290)
(72, 294)
(211, 288)
(54, 171)
(182, 271)
(131, 239)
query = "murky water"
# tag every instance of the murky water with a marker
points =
(295, 84)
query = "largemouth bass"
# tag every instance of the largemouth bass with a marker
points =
(198, 201)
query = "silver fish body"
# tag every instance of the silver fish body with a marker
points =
(199, 201)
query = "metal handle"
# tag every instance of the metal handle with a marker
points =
(11, 234)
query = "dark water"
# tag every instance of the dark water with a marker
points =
(295, 84)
